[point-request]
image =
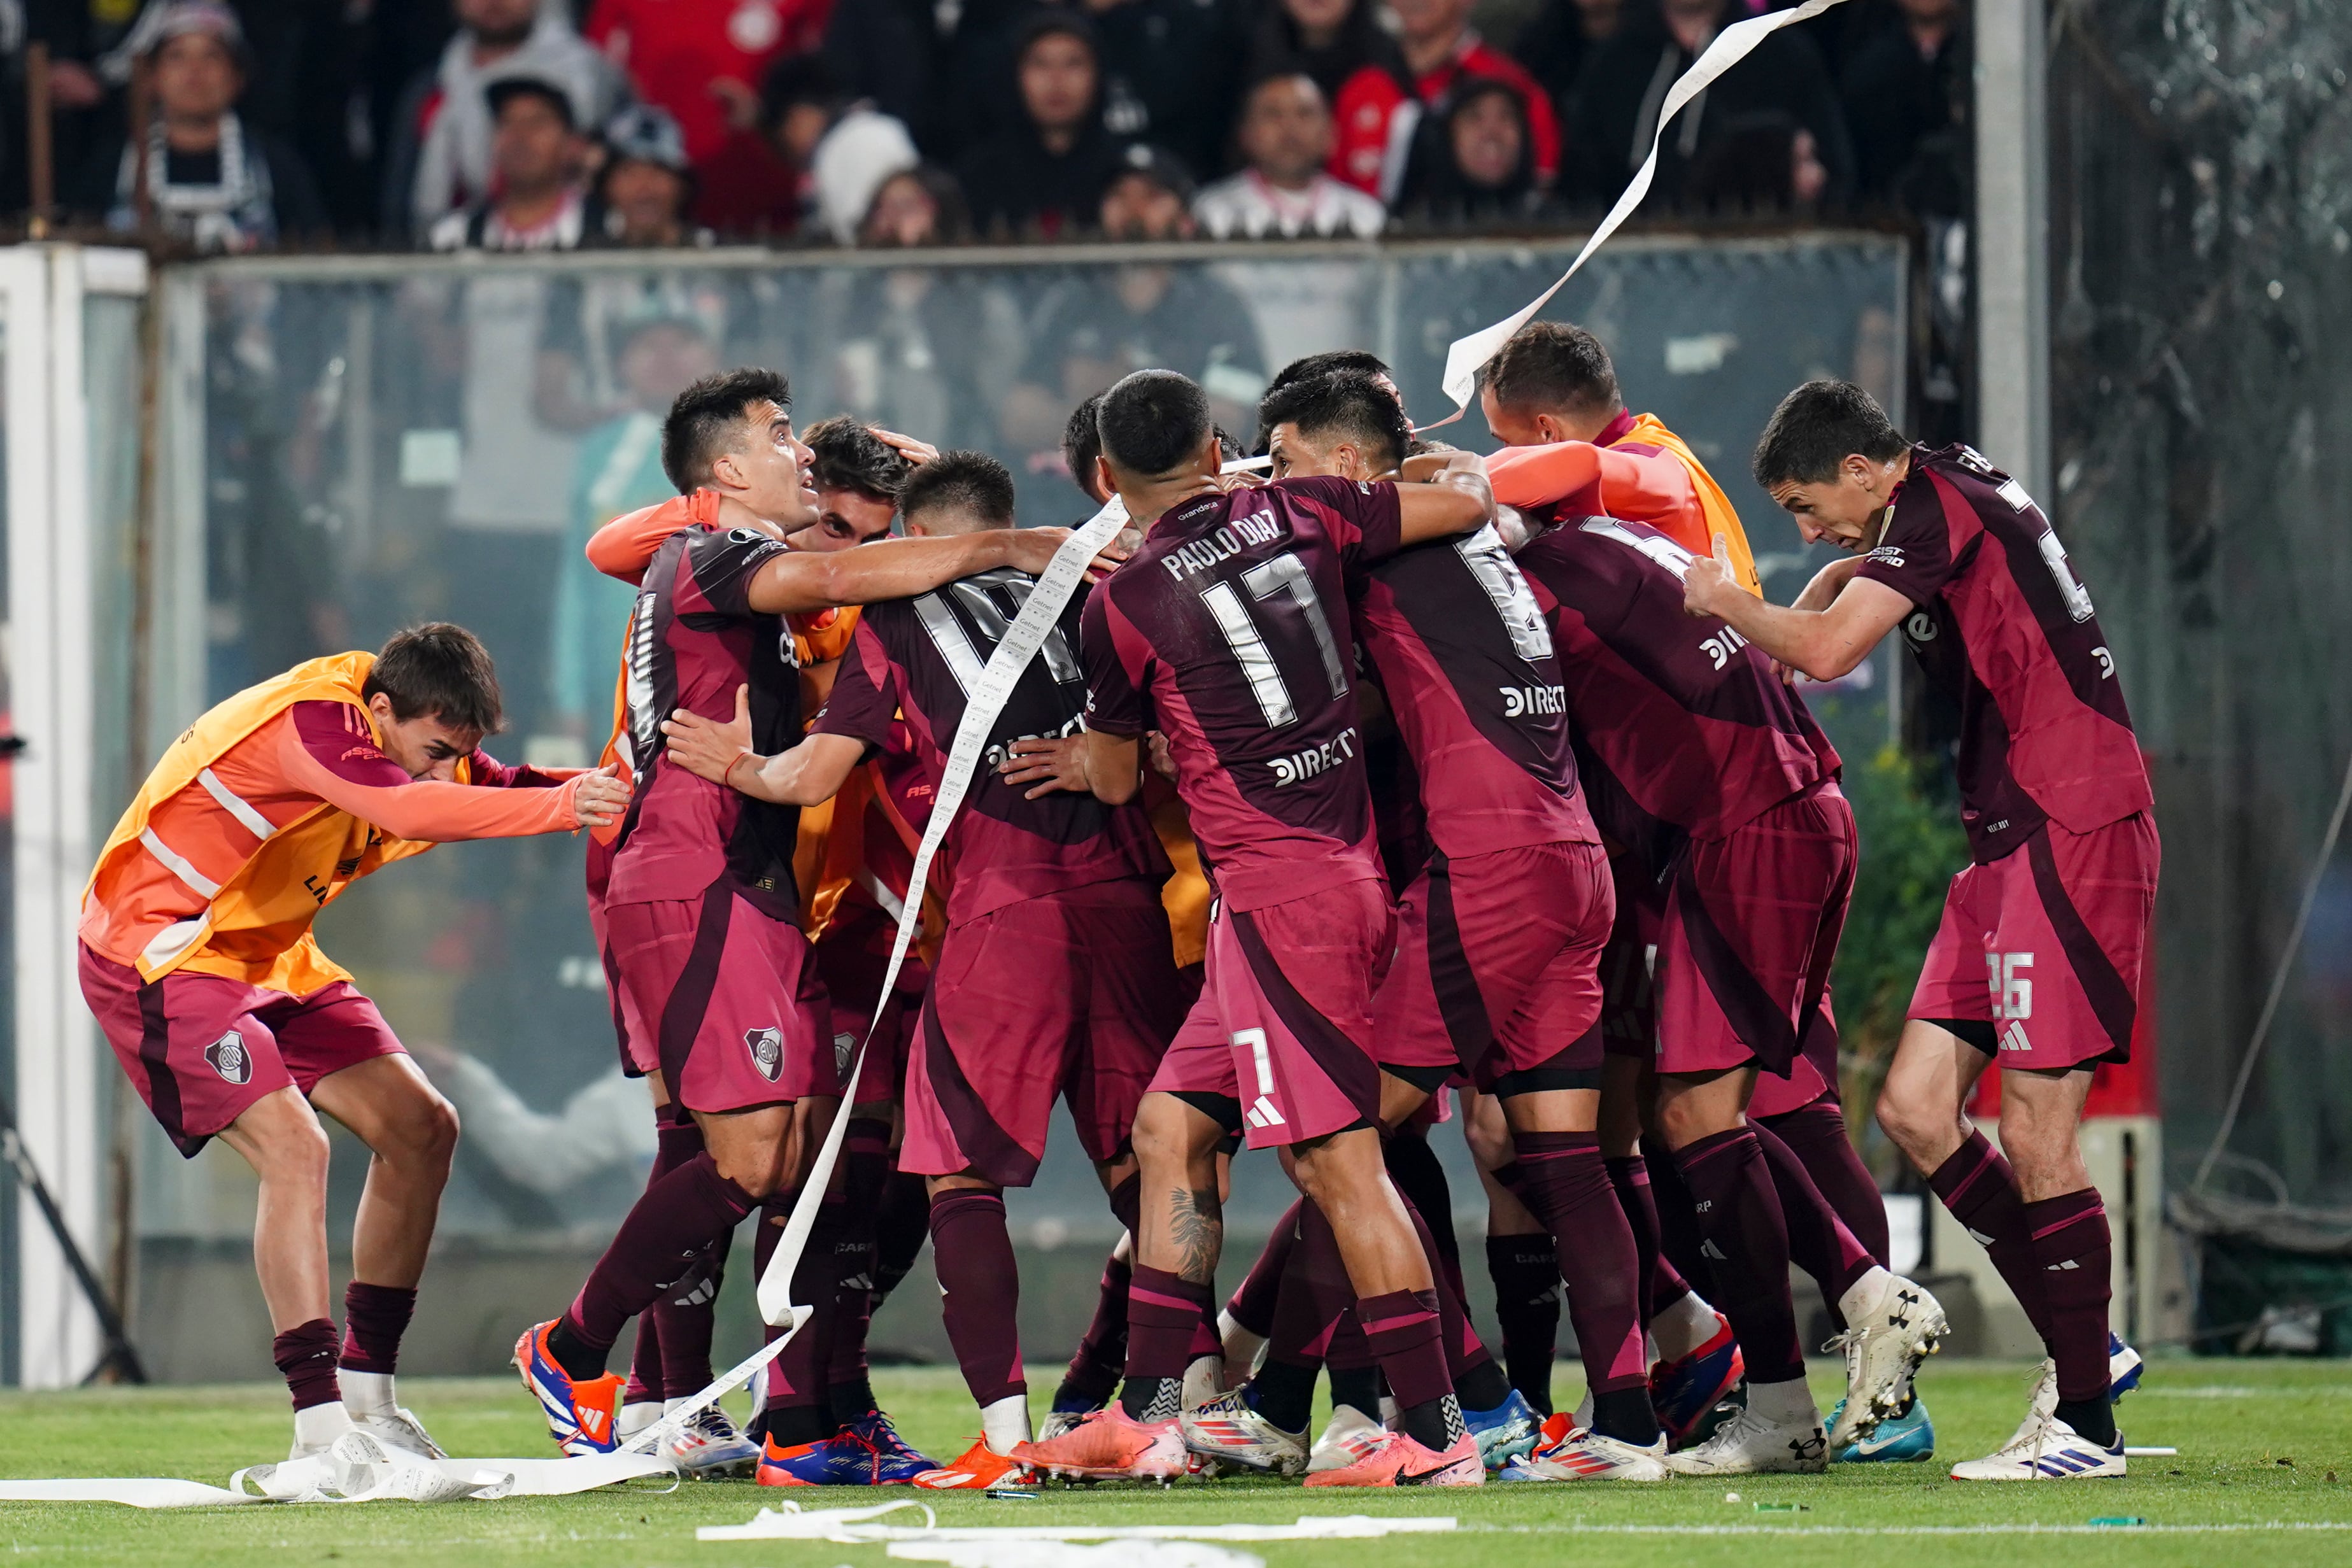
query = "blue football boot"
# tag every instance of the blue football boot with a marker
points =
(1902, 1439)
(895, 1460)
(1507, 1432)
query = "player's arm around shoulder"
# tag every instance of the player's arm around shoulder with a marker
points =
(810, 772)
(1825, 643)
(801, 582)
(1456, 500)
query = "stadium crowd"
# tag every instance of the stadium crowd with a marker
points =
(239, 125)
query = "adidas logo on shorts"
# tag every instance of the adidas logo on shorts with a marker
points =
(1262, 1114)
(767, 1048)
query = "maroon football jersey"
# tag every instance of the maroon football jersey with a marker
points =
(923, 657)
(1461, 653)
(693, 640)
(2005, 626)
(1228, 632)
(1682, 729)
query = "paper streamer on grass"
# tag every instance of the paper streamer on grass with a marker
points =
(1039, 615)
(356, 1468)
(1468, 356)
(862, 1526)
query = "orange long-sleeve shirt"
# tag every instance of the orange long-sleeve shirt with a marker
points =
(1636, 470)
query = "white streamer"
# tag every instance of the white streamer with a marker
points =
(1468, 356)
(858, 1527)
(1020, 642)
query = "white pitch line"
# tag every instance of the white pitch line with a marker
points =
(2262, 1527)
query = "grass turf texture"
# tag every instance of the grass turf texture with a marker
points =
(2259, 1441)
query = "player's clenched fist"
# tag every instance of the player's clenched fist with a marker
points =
(706, 748)
(598, 797)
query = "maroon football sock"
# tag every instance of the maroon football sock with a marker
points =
(1418, 1177)
(1679, 1241)
(1314, 1296)
(306, 1354)
(1818, 1134)
(1102, 1351)
(1164, 1315)
(1526, 1272)
(2075, 1254)
(1407, 1335)
(678, 1138)
(865, 1172)
(902, 1224)
(1819, 1242)
(1662, 1283)
(1739, 1214)
(1252, 1304)
(799, 1378)
(645, 1384)
(1979, 1190)
(972, 1251)
(374, 1317)
(679, 1221)
(1566, 1185)
(1478, 1381)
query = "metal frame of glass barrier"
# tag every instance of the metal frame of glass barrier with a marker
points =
(62, 558)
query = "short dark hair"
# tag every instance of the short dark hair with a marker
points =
(1152, 422)
(845, 455)
(1349, 406)
(438, 671)
(706, 417)
(971, 482)
(1082, 442)
(1816, 428)
(1363, 361)
(1553, 367)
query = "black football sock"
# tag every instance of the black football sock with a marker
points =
(1284, 1394)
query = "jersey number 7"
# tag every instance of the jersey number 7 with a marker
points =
(1272, 581)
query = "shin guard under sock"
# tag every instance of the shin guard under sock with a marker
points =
(981, 1287)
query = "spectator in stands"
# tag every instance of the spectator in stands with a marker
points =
(1906, 101)
(1762, 165)
(1285, 138)
(1618, 95)
(912, 340)
(441, 156)
(1171, 75)
(1378, 114)
(1100, 326)
(1473, 161)
(1556, 40)
(1045, 175)
(1329, 40)
(657, 355)
(703, 59)
(645, 185)
(536, 156)
(841, 149)
(212, 180)
(946, 72)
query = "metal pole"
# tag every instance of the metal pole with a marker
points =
(2012, 241)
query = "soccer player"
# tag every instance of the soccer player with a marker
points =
(1055, 976)
(1227, 632)
(197, 958)
(2036, 965)
(719, 1004)
(1500, 932)
(1722, 793)
(1551, 394)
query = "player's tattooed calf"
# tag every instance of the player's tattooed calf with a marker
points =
(1197, 1228)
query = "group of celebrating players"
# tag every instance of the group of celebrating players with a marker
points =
(1393, 772)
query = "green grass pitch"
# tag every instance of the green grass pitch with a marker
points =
(2263, 1477)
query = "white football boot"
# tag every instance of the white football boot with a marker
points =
(1893, 1325)
(1750, 1445)
(1348, 1438)
(2046, 1449)
(1585, 1456)
(1231, 1431)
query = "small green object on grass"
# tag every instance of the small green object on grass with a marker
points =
(2120, 1520)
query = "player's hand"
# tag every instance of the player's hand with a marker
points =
(705, 748)
(1049, 764)
(1162, 759)
(1708, 576)
(907, 446)
(599, 797)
